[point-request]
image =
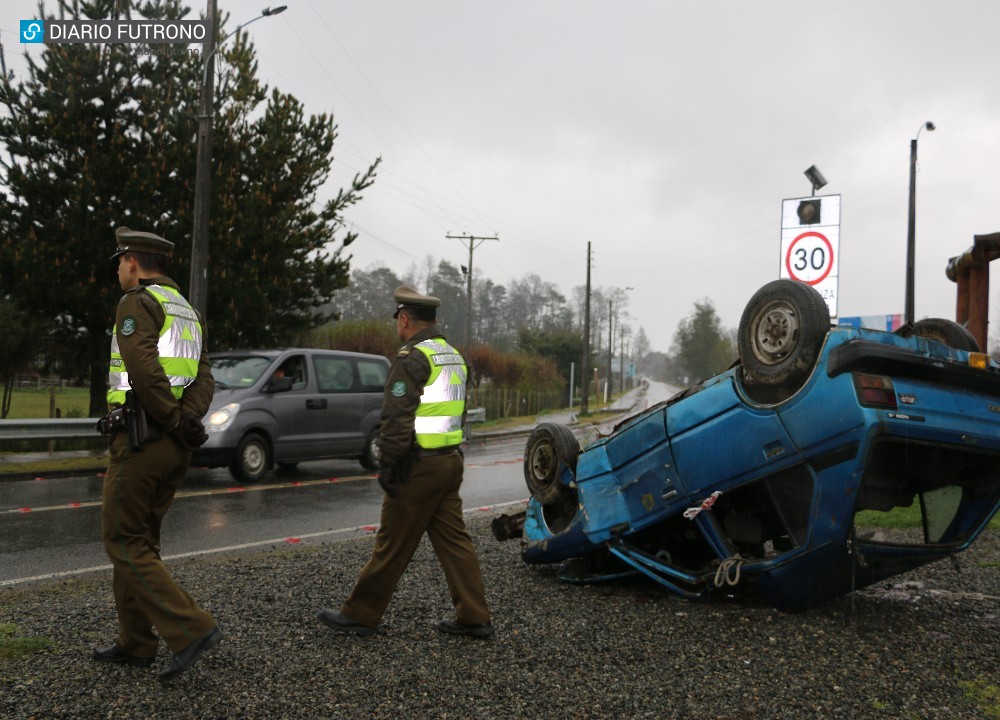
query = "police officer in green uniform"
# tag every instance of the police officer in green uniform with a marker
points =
(423, 410)
(160, 388)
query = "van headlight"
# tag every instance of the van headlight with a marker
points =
(221, 419)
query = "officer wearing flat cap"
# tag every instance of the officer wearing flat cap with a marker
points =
(160, 386)
(423, 410)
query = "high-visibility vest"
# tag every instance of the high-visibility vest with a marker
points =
(438, 422)
(179, 346)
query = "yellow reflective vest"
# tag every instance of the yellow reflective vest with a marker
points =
(179, 346)
(438, 422)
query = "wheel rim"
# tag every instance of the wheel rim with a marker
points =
(253, 458)
(776, 332)
(543, 464)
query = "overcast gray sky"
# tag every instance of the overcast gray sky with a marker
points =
(664, 133)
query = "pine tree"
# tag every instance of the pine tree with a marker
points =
(99, 136)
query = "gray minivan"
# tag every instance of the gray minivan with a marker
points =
(285, 406)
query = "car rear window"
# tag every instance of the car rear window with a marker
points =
(373, 375)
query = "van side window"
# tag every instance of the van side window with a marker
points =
(373, 375)
(334, 374)
(294, 368)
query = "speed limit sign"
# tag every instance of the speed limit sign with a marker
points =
(810, 244)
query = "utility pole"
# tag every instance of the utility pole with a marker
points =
(585, 362)
(198, 285)
(621, 358)
(473, 244)
(611, 349)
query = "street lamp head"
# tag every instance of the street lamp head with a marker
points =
(926, 126)
(267, 12)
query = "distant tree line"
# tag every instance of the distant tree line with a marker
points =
(531, 318)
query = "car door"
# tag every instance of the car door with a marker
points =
(298, 412)
(352, 387)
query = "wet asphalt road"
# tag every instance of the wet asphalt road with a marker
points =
(51, 527)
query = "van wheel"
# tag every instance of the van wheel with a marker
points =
(253, 458)
(367, 458)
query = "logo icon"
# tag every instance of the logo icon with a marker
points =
(32, 31)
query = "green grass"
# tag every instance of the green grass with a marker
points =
(983, 695)
(901, 518)
(12, 646)
(31, 404)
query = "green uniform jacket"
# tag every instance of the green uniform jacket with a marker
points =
(139, 351)
(407, 377)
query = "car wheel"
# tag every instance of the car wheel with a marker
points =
(944, 331)
(780, 335)
(550, 446)
(368, 454)
(253, 458)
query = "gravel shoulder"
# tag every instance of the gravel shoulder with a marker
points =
(925, 645)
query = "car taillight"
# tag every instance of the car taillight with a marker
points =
(875, 390)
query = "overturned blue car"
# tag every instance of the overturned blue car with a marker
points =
(754, 479)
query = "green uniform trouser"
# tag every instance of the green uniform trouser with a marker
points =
(138, 489)
(427, 502)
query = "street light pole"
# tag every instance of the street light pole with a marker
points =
(198, 285)
(911, 232)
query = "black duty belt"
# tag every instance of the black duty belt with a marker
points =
(436, 452)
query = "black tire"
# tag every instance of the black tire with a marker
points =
(252, 459)
(367, 458)
(550, 447)
(780, 335)
(944, 331)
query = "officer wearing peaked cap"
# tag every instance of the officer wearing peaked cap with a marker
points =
(144, 242)
(159, 358)
(407, 297)
(423, 412)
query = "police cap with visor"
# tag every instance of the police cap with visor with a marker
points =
(409, 298)
(144, 242)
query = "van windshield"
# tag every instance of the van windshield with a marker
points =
(238, 370)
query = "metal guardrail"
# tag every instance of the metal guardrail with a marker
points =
(51, 429)
(77, 428)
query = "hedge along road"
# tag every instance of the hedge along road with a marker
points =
(50, 528)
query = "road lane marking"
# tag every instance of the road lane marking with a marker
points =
(198, 493)
(366, 529)
(233, 489)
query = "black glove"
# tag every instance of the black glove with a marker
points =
(385, 480)
(189, 433)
